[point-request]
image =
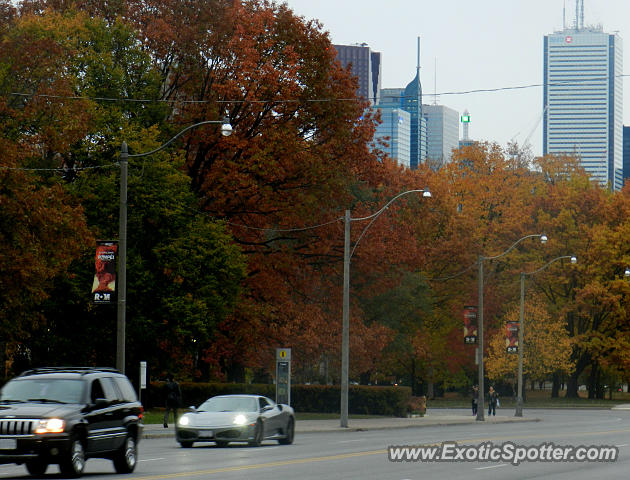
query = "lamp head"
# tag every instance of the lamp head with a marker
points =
(574, 260)
(543, 238)
(426, 193)
(226, 128)
(627, 272)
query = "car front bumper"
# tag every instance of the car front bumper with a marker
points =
(224, 433)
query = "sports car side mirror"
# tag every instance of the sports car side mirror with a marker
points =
(280, 406)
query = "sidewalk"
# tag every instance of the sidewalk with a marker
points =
(431, 419)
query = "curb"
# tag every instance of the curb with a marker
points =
(365, 426)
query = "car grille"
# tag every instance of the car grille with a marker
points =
(17, 427)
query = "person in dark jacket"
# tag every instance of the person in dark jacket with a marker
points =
(475, 399)
(173, 399)
(493, 398)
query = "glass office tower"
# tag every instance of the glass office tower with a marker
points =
(582, 101)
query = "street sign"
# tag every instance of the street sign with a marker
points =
(283, 375)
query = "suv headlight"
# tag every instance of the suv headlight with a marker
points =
(51, 425)
(184, 420)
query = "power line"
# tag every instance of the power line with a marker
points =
(60, 169)
(316, 100)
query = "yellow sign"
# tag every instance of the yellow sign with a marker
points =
(283, 354)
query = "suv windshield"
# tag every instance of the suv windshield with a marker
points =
(42, 390)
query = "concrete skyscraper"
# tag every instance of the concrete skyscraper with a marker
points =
(582, 99)
(366, 66)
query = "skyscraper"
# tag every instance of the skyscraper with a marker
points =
(626, 153)
(442, 133)
(582, 100)
(366, 66)
(395, 131)
(412, 102)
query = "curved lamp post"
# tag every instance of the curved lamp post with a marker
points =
(521, 334)
(481, 258)
(345, 334)
(226, 130)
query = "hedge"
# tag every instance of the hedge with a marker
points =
(369, 400)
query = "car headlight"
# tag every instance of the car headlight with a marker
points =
(184, 421)
(240, 419)
(51, 425)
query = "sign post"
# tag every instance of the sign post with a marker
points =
(143, 379)
(283, 375)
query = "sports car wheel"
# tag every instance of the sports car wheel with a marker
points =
(74, 462)
(289, 433)
(258, 435)
(127, 457)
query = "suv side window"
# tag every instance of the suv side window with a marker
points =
(96, 390)
(111, 392)
(125, 387)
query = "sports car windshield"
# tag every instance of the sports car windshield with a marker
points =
(42, 390)
(229, 404)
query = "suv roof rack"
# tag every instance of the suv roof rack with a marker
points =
(81, 370)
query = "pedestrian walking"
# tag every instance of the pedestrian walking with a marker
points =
(493, 398)
(475, 399)
(173, 399)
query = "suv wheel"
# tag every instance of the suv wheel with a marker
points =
(127, 457)
(36, 467)
(74, 462)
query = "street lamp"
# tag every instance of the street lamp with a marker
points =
(481, 258)
(521, 334)
(226, 130)
(345, 334)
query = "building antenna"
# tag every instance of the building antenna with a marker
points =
(418, 65)
(564, 15)
(435, 83)
(581, 14)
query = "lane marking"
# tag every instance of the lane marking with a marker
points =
(492, 466)
(344, 456)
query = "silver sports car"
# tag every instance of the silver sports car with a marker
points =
(237, 418)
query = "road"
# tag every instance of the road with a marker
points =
(363, 454)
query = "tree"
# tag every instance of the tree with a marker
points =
(547, 347)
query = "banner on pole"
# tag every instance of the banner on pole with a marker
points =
(470, 325)
(104, 284)
(511, 338)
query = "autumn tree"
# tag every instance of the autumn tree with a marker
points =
(547, 346)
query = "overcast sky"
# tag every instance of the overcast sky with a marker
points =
(468, 45)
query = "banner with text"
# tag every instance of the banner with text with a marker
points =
(470, 325)
(511, 337)
(104, 285)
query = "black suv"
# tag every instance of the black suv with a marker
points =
(67, 415)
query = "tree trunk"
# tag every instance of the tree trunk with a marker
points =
(572, 383)
(430, 385)
(555, 387)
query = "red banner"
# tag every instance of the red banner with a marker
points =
(104, 285)
(511, 337)
(470, 325)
